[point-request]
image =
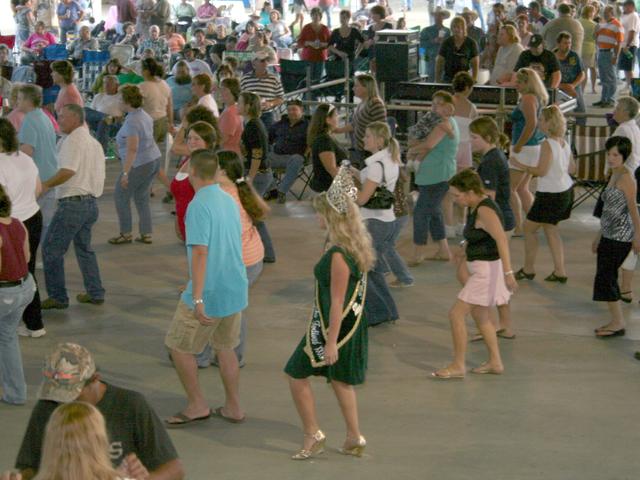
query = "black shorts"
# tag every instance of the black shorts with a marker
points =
(551, 208)
(626, 60)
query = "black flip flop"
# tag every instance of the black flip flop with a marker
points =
(184, 420)
(614, 333)
(218, 414)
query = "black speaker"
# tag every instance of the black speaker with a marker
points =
(396, 62)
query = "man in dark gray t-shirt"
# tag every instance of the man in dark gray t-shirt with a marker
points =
(138, 441)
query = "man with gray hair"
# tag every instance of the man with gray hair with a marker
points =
(80, 181)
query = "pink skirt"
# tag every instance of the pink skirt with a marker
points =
(485, 286)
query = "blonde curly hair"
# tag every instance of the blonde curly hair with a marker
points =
(347, 231)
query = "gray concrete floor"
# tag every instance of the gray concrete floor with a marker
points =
(562, 410)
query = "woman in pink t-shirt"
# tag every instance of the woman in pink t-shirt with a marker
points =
(38, 40)
(230, 122)
(62, 73)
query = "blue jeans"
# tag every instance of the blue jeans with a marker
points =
(292, 165)
(379, 305)
(204, 359)
(140, 180)
(261, 183)
(477, 6)
(327, 12)
(392, 260)
(13, 301)
(103, 132)
(72, 223)
(267, 118)
(580, 107)
(65, 30)
(431, 69)
(48, 205)
(427, 215)
(607, 73)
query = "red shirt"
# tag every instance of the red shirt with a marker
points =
(14, 263)
(183, 193)
(308, 34)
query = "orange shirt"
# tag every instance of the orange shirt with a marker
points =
(252, 248)
(610, 34)
(230, 124)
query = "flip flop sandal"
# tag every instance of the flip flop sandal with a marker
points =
(120, 239)
(626, 297)
(611, 333)
(500, 333)
(476, 338)
(218, 414)
(184, 420)
(144, 239)
(485, 369)
(446, 375)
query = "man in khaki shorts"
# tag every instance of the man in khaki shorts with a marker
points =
(209, 309)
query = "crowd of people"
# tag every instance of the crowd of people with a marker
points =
(223, 120)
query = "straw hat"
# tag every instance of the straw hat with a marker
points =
(467, 12)
(443, 12)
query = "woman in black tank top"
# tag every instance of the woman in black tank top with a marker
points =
(487, 276)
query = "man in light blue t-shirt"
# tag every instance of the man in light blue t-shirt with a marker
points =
(38, 140)
(210, 308)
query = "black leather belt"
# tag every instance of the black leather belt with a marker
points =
(14, 283)
(75, 198)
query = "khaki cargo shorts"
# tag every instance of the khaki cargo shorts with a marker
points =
(187, 335)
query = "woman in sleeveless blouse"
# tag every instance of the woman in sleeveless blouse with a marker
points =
(335, 345)
(554, 196)
(484, 267)
(619, 233)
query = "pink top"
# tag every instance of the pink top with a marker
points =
(230, 124)
(16, 117)
(252, 248)
(38, 41)
(68, 94)
(206, 11)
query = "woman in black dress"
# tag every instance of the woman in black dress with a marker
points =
(326, 152)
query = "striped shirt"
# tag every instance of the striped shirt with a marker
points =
(366, 112)
(610, 34)
(268, 87)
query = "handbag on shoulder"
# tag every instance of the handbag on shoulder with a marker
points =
(382, 198)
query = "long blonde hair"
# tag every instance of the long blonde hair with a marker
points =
(75, 445)
(534, 85)
(347, 231)
(382, 131)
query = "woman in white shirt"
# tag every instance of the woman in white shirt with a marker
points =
(19, 176)
(382, 169)
(554, 196)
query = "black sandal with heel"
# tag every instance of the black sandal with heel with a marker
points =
(522, 275)
(557, 278)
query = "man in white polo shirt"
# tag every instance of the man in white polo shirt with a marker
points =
(631, 23)
(80, 181)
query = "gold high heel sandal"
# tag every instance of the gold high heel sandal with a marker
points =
(356, 449)
(316, 448)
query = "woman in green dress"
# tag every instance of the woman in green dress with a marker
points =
(335, 344)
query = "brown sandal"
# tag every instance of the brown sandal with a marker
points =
(120, 239)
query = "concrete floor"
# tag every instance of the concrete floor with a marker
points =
(562, 410)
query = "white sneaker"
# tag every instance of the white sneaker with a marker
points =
(25, 332)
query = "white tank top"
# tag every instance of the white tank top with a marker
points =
(463, 126)
(557, 178)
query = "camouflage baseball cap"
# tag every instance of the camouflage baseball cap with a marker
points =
(65, 372)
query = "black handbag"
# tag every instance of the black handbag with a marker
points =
(382, 198)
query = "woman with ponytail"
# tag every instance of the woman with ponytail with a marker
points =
(252, 209)
(382, 169)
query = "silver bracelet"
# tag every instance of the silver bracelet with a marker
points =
(510, 272)
(198, 301)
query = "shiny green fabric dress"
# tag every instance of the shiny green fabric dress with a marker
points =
(352, 340)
